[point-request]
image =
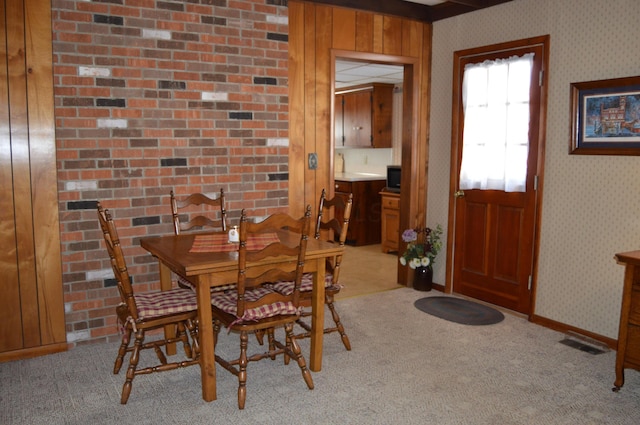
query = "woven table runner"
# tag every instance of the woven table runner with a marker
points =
(220, 242)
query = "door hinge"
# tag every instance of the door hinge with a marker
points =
(529, 284)
(535, 182)
(540, 78)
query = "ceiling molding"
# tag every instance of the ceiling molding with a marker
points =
(387, 7)
(407, 9)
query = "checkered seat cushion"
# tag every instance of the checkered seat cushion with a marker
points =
(162, 303)
(228, 302)
(183, 282)
(306, 285)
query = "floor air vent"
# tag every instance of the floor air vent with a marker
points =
(582, 343)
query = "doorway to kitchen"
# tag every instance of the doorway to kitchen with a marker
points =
(387, 141)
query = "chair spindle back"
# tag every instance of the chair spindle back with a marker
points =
(118, 263)
(256, 268)
(201, 211)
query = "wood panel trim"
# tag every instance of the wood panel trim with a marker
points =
(33, 352)
(9, 338)
(19, 123)
(33, 298)
(542, 136)
(344, 29)
(304, 140)
(324, 137)
(378, 34)
(44, 177)
(297, 52)
(392, 35)
(364, 31)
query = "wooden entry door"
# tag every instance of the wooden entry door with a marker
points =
(494, 247)
(494, 231)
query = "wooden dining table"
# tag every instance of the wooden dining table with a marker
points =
(207, 269)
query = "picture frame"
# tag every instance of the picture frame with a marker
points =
(605, 117)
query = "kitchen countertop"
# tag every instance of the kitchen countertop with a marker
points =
(359, 177)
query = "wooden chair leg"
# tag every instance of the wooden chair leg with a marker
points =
(182, 334)
(297, 354)
(242, 369)
(304, 325)
(122, 351)
(161, 357)
(339, 327)
(216, 332)
(272, 342)
(195, 343)
(288, 348)
(260, 336)
(133, 364)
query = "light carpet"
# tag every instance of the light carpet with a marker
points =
(406, 367)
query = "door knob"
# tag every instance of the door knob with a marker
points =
(459, 194)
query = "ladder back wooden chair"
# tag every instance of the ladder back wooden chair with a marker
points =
(142, 312)
(252, 306)
(197, 213)
(328, 227)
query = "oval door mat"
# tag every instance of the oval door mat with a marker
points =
(459, 310)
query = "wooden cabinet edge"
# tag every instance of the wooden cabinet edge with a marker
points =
(624, 359)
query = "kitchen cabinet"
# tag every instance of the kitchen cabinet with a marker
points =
(364, 224)
(390, 220)
(363, 116)
(628, 354)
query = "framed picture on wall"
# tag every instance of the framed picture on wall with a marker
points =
(605, 117)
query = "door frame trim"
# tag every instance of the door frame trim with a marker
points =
(412, 208)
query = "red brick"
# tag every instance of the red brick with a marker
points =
(161, 123)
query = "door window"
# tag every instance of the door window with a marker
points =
(495, 96)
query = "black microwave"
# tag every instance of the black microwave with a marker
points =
(393, 178)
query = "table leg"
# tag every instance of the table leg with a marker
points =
(317, 317)
(205, 333)
(623, 329)
(165, 285)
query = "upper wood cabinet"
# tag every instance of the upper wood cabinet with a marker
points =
(363, 116)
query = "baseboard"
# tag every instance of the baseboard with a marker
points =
(558, 326)
(33, 352)
(564, 328)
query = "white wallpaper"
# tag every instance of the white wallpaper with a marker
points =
(591, 204)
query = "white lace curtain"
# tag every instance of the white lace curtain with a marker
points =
(495, 96)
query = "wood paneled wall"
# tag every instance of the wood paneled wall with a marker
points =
(318, 34)
(31, 306)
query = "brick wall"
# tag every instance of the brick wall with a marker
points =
(150, 96)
